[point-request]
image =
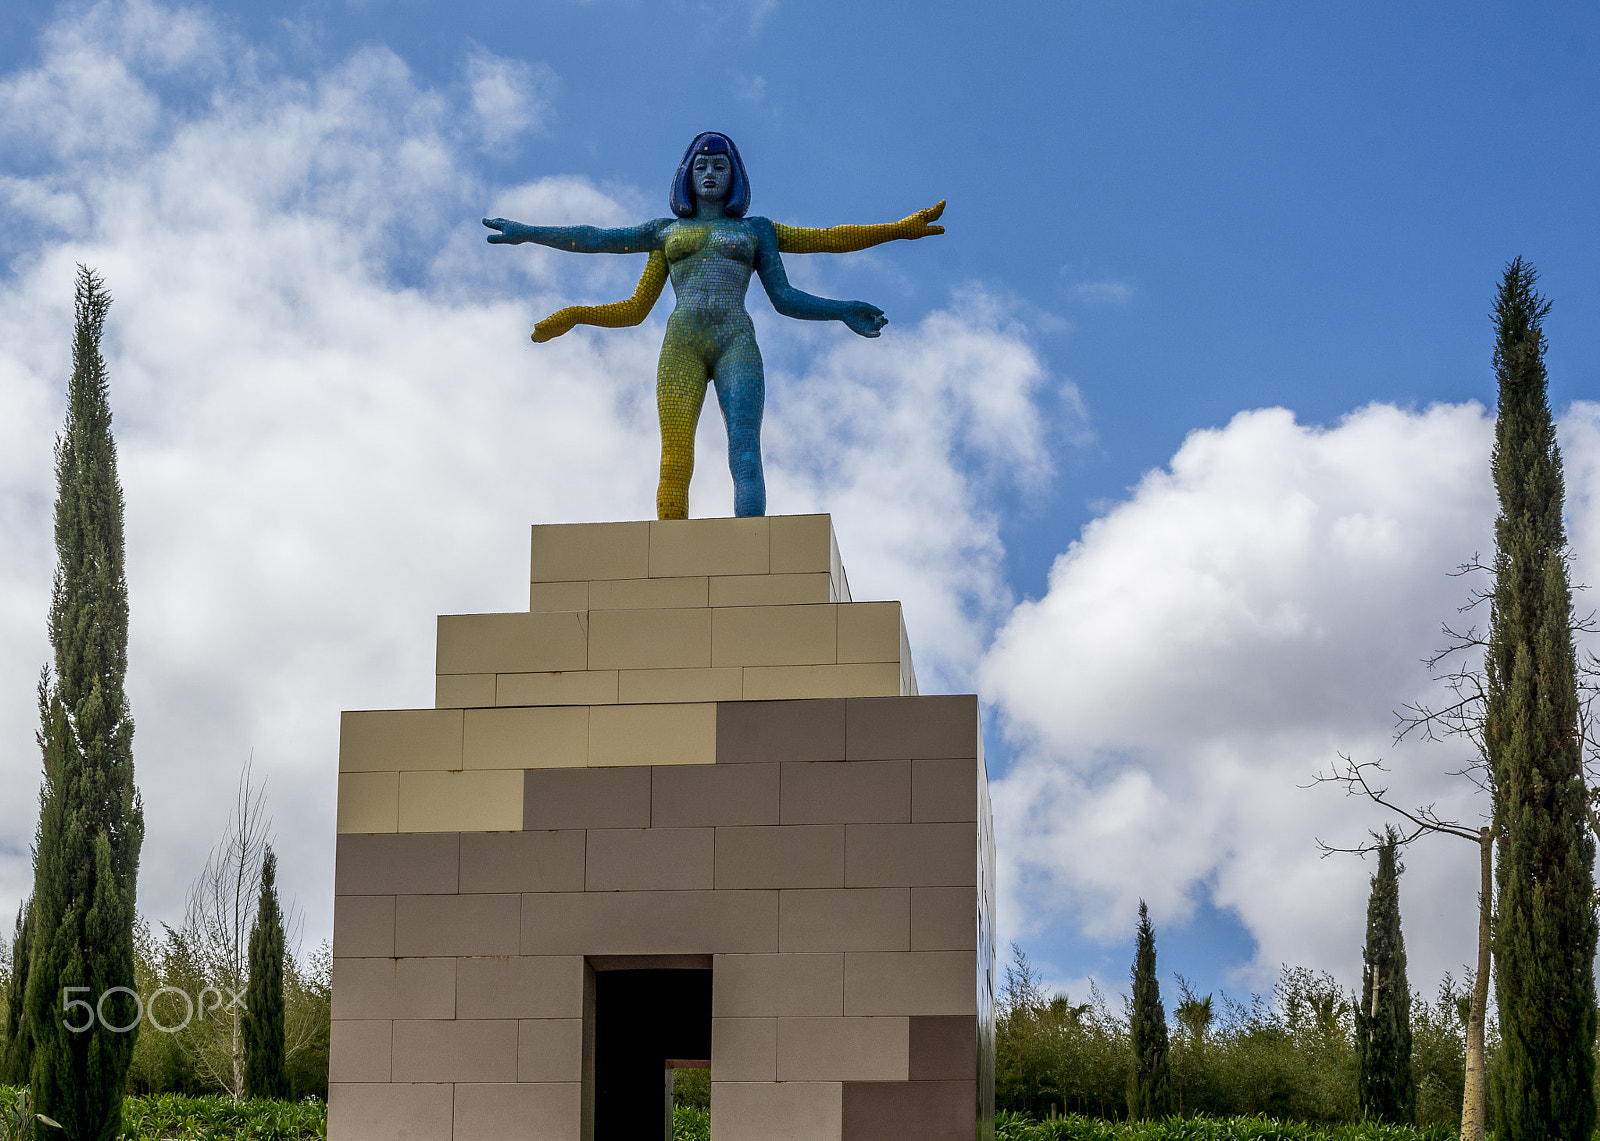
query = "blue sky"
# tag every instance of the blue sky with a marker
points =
(1165, 220)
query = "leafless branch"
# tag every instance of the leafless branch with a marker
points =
(1353, 777)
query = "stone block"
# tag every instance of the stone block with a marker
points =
(368, 802)
(522, 861)
(774, 635)
(662, 686)
(773, 683)
(771, 589)
(644, 859)
(394, 988)
(801, 544)
(455, 1050)
(846, 792)
(527, 1111)
(914, 855)
(463, 691)
(428, 925)
(688, 796)
(567, 552)
(944, 790)
(512, 643)
(358, 1050)
(397, 865)
(653, 734)
(558, 597)
(879, 728)
(681, 547)
(843, 1049)
(520, 986)
(909, 1111)
(869, 632)
(744, 1049)
(473, 801)
(780, 731)
(845, 919)
(550, 1050)
(649, 922)
(802, 855)
(539, 737)
(363, 926)
(786, 985)
(649, 639)
(944, 1048)
(776, 1111)
(586, 798)
(389, 740)
(576, 687)
(650, 593)
(910, 982)
(389, 1111)
(944, 919)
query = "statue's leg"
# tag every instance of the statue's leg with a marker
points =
(680, 391)
(742, 394)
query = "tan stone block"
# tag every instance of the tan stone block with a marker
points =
(478, 801)
(650, 593)
(665, 686)
(550, 1050)
(801, 543)
(423, 864)
(776, 1111)
(845, 919)
(586, 798)
(708, 546)
(363, 926)
(527, 1111)
(846, 792)
(653, 734)
(538, 737)
(643, 859)
(770, 683)
(545, 860)
(577, 687)
(908, 674)
(841, 581)
(944, 790)
(358, 1051)
(843, 1049)
(771, 589)
(649, 922)
(458, 1050)
(744, 1049)
(463, 691)
(389, 740)
(944, 919)
(520, 986)
(944, 1048)
(558, 597)
(388, 1111)
(801, 855)
(911, 855)
(368, 802)
(780, 731)
(566, 552)
(649, 639)
(919, 727)
(433, 925)
(512, 643)
(774, 635)
(910, 982)
(688, 796)
(909, 1111)
(394, 988)
(870, 632)
(777, 985)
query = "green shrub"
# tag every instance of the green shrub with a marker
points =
(690, 1123)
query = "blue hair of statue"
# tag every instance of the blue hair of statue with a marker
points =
(711, 143)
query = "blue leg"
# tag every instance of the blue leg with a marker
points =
(742, 394)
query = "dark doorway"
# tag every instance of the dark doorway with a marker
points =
(642, 1019)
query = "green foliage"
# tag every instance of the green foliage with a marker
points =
(1384, 1085)
(1544, 935)
(16, 1043)
(1018, 1127)
(1150, 1078)
(19, 1122)
(691, 1123)
(692, 1088)
(262, 1025)
(91, 824)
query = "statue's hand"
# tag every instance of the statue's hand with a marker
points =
(510, 232)
(921, 222)
(868, 320)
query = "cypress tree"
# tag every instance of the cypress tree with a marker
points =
(1544, 936)
(17, 1054)
(262, 1025)
(1384, 1086)
(91, 822)
(1150, 1083)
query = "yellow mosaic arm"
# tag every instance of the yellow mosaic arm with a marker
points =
(791, 240)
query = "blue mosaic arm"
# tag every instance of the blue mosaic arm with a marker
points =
(868, 320)
(579, 239)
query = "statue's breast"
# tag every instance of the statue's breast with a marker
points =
(733, 242)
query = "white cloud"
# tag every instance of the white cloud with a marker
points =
(509, 96)
(1103, 292)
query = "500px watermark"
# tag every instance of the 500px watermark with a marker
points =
(146, 1011)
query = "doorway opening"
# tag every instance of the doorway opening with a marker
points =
(648, 1021)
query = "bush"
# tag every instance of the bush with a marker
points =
(1075, 1127)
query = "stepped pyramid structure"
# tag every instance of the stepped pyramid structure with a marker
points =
(688, 810)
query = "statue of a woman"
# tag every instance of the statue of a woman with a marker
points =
(710, 250)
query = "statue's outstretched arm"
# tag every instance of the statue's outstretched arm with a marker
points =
(867, 320)
(618, 314)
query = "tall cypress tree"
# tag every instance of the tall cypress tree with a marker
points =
(16, 1045)
(91, 823)
(1384, 1086)
(1150, 1083)
(1544, 937)
(262, 1025)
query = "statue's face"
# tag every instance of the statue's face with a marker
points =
(712, 178)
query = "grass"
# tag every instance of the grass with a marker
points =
(173, 1117)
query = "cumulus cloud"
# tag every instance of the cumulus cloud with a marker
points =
(509, 96)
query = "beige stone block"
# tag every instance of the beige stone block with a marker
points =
(911, 855)
(844, 1049)
(436, 925)
(394, 988)
(777, 985)
(586, 798)
(846, 792)
(649, 639)
(368, 802)
(388, 740)
(642, 859)
(527, 1111)
(870, 632)
(463, 691)
(944, 790)
(558, 597)
(520, 986)
(567, 552)
(801, 544)
(418, 864)
(388, 1111)
(910, 982)
(771, 589)
(774, 635)
(908, 674)
(944, 919)
(910, 1111)
(708, 546)
(845, 919)
(477, 801)
(663, 686)
(650, 593)
(776, 1111)
(543, 860)
(841, 580)
(801, 855)
(744, 1049)
(550, 1050)
(653, 734)
(363, 926)
(512, 643)
(536, 737)
(575, 687)
(358, 1050)
(689, 796)
(458, 1050)
(770, 683)
(649, 922)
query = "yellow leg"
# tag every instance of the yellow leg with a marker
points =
(680, 391)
